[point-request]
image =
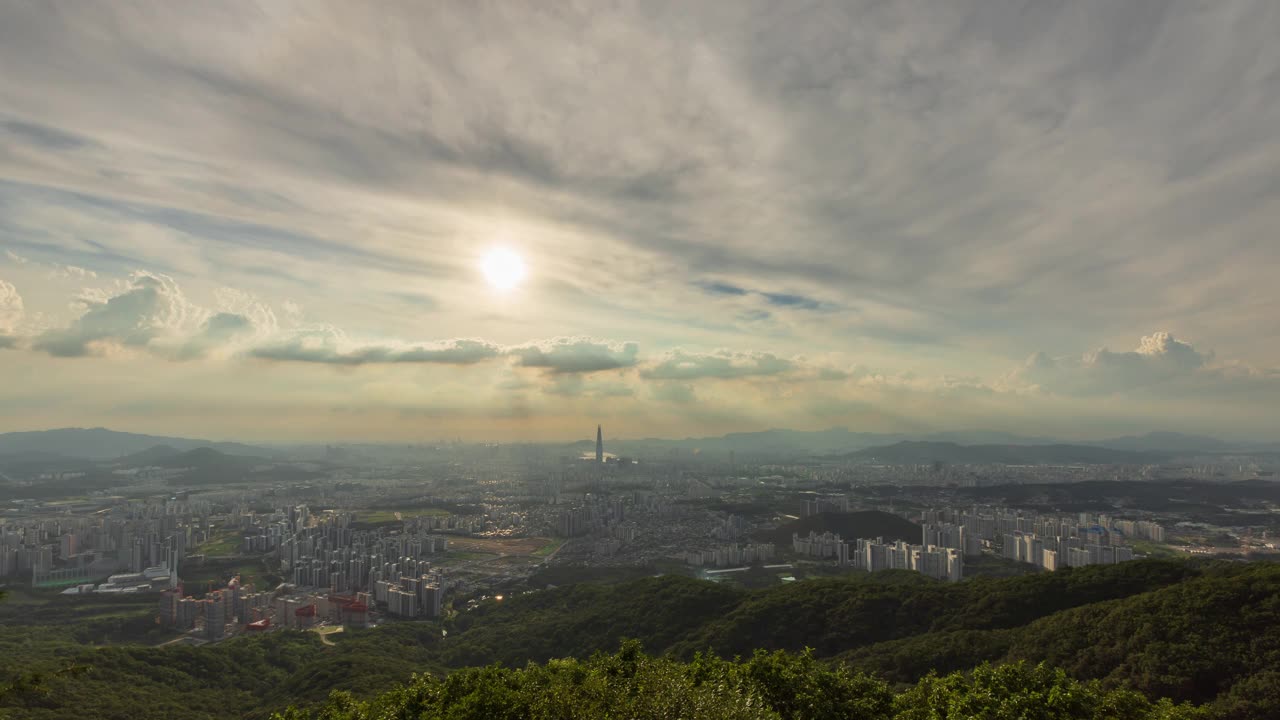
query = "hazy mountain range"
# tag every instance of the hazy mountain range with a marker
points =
(837, 441)
(101, 444)
(919, 452)
(104, 444)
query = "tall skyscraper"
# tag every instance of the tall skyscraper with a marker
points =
(599, 445)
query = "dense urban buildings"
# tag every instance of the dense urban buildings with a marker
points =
(363, 535)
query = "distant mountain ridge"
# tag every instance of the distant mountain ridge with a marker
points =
(103, 444)
(801, 442)
(1168, 441)
(838, 441)
(919, 453)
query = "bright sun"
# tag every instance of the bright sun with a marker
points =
(503, 268)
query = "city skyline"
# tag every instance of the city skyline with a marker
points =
(491, 223)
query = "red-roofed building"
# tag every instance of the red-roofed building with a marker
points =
(306, 615)
(356, 615)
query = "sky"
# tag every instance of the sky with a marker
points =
(270, 220)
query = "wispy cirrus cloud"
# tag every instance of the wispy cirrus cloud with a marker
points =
(776, 299)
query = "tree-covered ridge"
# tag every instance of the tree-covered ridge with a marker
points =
(683, 616)
(768, 686)
(1204, 632)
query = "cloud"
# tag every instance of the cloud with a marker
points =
(152, 306)
(720, 288)
(674, 392)
(828, 373)
(576, 355)
(418, 301)
(574, 385)
(71, 272)
(15, 258)
(218, 331)
(792, 301)
(1159, 359)
(723, 364)
(45, 136)
(776, 299)
(11, 307)
(260, 316)
(858, 152)
(940, 173)
(329, 347)
(150, 311)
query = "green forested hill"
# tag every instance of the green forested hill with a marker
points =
(859, 524)
(1203, 632)
(765, 687)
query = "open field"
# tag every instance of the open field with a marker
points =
(498, 546)
(549, 548)
(381, 516)
(1153, 549)
(197, 579)
(454, 558)
(225, 542)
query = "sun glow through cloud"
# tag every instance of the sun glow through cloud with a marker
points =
(503, 268)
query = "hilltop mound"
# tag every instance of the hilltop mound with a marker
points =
(151, 456)
(205, 457)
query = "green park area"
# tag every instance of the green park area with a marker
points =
(549, 548)
(455, 557)
(1149, 548)
(381, 516)
(212, 574)
(44, 624)
(221, 544)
